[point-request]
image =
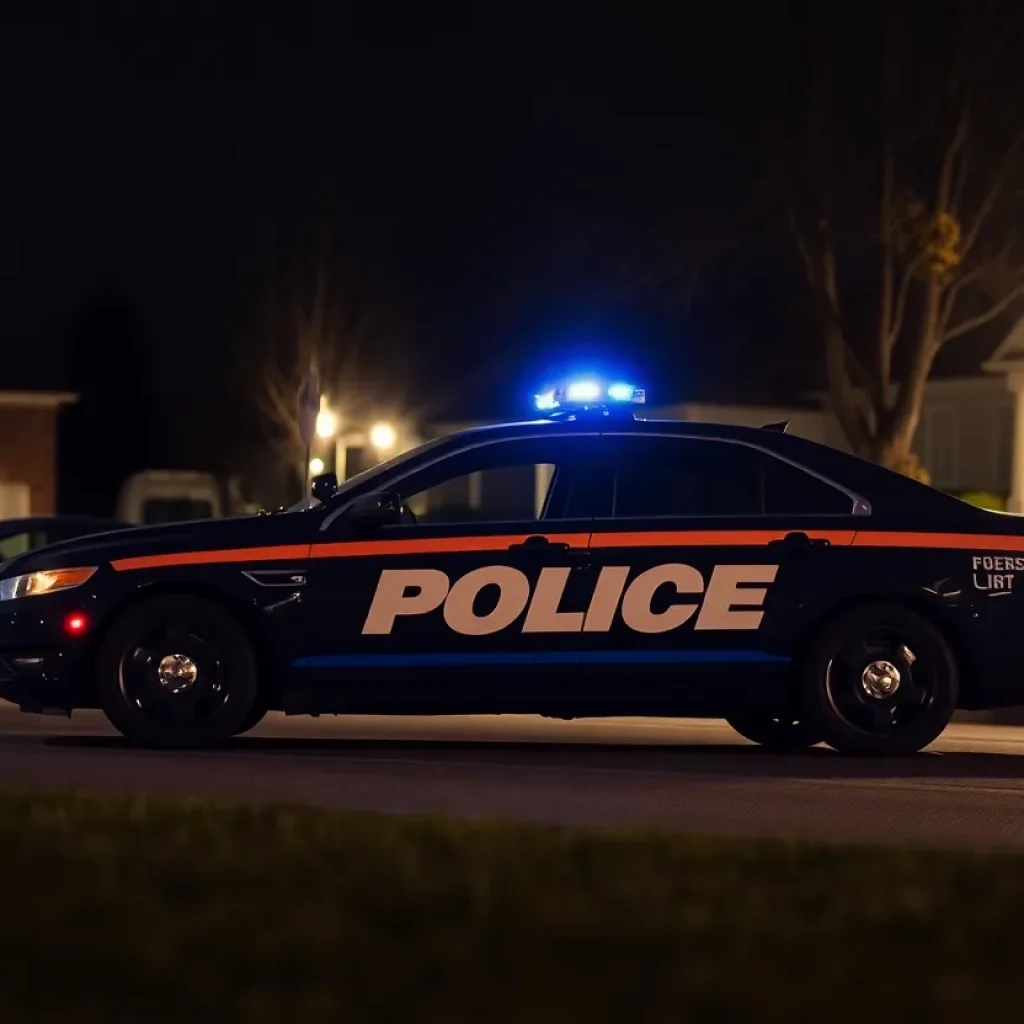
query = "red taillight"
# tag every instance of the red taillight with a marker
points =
(76, 623)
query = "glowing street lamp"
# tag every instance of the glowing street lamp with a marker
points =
(326, 423)
(383, 437)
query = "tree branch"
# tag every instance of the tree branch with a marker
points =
(900, 311)
(948, 172)
(902, 421)
(889, 306)
(886, 317)
(992, 195)
(974, 322)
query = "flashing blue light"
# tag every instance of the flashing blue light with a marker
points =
(588, 392)
(583, 391)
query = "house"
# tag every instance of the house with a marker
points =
(971, 433)
(28, 451)
(965, 438)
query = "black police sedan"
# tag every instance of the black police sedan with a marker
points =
(588, 564)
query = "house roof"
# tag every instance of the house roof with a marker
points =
(973, 354)
(34, 366)
(1009, 352)
(36, 399)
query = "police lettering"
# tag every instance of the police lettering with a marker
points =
(730, 601)
(992, 573)
(998, 563)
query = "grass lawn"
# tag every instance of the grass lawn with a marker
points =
(147, 910)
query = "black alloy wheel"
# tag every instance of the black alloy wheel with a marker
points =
(177, 671)
(880, 680)
(258, 713)
(783, 733)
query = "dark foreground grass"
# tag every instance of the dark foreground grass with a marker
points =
(152, 910)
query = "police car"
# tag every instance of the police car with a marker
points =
(661, 568)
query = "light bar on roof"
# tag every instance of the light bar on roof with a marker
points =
(588, 392)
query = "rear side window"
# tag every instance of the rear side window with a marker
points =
(789, 490)
(680, 477)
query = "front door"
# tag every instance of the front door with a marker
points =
(715, 559)
(471, 605)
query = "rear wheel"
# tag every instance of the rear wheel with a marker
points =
(880, 680)
(177, 671)
(785, 733)
(258, 713)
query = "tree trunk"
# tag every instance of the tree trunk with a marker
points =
(893, 451)
(892, 441)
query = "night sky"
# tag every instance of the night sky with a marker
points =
(520, 189)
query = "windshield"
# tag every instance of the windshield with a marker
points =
(367, 475)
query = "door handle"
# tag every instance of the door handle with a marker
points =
(540, 545)
(798, 541)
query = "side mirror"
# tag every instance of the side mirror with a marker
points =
(323, 487)
(371, 511)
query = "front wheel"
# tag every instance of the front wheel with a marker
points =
(879, 680)
(781, 734)
(177, 671)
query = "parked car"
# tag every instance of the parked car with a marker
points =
(19, 536)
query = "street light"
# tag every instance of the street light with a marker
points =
(316, 467)
(383, 436)
(326, 423)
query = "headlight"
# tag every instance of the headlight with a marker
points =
(49, 582)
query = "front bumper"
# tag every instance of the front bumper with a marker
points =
(40, 682)
(42, 669)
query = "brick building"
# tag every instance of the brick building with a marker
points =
(28, 451)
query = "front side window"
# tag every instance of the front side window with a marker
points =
(682, 477)
(505, 481)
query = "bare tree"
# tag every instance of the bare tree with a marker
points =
(329, 321)
(929, 210)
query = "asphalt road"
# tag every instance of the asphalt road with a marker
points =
(685, 775)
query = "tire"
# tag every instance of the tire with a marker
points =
(853, 700)
(776, 733)
(177, 671)
(258, 713)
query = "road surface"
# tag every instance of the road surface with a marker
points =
(692, 776)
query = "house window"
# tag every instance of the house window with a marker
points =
(15, 500)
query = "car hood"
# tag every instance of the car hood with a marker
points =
(201, 535)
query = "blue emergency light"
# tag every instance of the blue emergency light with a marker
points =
(588, 393)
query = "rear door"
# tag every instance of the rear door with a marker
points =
(477, 605)
(715, 557)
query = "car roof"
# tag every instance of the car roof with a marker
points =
(616, 424)
(771, 436)
(874, 482)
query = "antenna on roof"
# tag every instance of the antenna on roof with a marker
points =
(781, 426)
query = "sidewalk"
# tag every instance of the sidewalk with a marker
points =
(1004, 716)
